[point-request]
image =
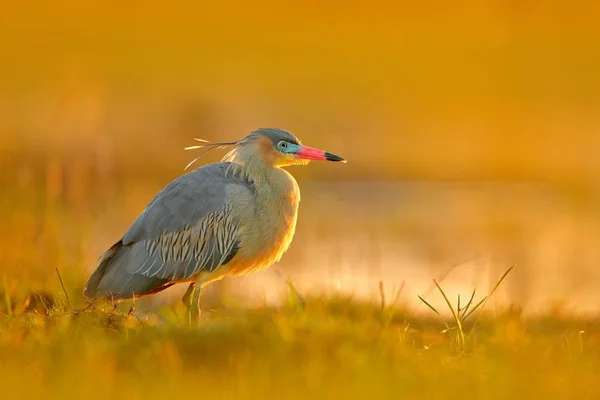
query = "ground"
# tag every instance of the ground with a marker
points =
(308, 348)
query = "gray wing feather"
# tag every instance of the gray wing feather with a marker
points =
(188, 227)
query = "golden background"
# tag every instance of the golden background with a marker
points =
(471, 130)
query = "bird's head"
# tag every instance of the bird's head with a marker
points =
(271, 147)
(280, 148)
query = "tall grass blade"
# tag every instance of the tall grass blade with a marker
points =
(64, 289)
(435, 311)
(382, 295)
(455, 316)
(432, 287)
(7, 299)
(466, 308)
(488, 297)
(475, 307)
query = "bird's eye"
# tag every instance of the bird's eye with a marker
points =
(283, 145)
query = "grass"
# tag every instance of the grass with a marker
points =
(308, 348)
(461, 314)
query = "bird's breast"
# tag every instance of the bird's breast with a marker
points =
(268, 232)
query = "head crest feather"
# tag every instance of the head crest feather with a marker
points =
(207, 146)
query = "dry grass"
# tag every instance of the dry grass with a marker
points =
(322, 348)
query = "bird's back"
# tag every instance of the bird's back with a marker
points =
(188, 227)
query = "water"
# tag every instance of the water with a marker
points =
(353, 235)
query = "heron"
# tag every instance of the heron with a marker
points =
(227, 218)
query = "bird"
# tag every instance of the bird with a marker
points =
(227, 218)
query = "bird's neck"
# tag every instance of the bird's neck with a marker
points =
(268, 181)
(249, 166)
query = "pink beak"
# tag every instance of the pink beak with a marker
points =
(309, 153)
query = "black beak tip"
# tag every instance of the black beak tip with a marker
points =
(333, 157)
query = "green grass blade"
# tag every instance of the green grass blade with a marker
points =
(466, 308)
(475, 307)
(7, 299)
(435, 311)
(461, 334)
(447, 301)
(488, 297)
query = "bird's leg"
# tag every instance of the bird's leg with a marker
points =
(191, 300)
(195, 304)
(187, 299)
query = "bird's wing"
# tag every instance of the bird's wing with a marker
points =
(188, 227)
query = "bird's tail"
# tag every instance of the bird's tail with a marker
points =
(113, 280)
(92, 287)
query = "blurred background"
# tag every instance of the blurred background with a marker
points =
(471, 131)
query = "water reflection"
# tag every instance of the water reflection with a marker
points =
(353, 235)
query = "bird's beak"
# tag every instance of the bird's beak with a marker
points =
(309, 153)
